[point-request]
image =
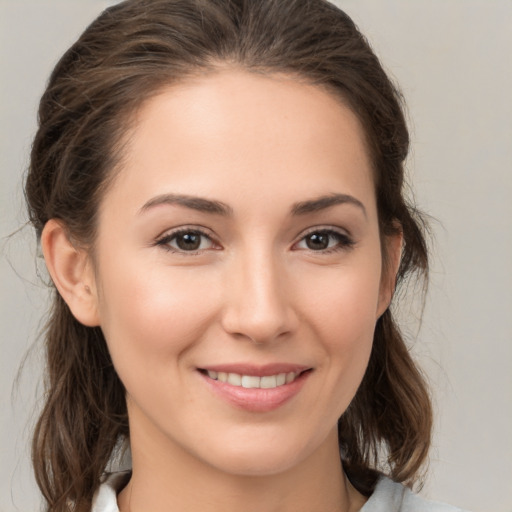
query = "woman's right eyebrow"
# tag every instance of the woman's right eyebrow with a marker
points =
(193, 202)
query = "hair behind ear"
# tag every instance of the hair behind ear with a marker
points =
(391, 414)
(84, 415)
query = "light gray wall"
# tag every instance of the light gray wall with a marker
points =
(452, 59)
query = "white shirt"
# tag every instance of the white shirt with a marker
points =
(388, 496)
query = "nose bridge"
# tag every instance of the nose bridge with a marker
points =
(258, 306)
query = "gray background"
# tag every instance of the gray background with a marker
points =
(452, 59)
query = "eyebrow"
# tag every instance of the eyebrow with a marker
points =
(193, 202)
(323, 202)
(219, 208)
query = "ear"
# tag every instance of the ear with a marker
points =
(391, 264)
(71, 271)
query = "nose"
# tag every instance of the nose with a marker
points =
(259, 303)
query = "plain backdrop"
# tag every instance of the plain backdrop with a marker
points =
(453, 61)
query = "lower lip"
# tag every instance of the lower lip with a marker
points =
(256, 399)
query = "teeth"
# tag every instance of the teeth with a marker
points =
(269, 381)
(234, 379)
(251, 381)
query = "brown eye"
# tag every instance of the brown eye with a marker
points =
(188, 240)
(317, 241)
(325, 240)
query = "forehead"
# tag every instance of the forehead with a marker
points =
(234, 133)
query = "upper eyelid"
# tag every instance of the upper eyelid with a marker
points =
(184, 229)
(324, 228)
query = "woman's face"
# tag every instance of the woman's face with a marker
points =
(240, 242)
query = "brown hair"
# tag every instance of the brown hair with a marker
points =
(130, 52)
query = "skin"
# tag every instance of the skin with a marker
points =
(256, 290)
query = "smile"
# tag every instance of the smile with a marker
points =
(253, 381)
(256, 389)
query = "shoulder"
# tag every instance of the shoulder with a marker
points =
(105, 498)
(390, 496)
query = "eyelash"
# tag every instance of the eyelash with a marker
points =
(344, 241)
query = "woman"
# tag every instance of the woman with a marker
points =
(217, 187)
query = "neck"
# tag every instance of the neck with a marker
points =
(171, 479)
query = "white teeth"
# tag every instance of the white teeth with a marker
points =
(268, 382)
(251, 381)
(234, 379)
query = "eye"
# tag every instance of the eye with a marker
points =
(325, 240)
(186, 240)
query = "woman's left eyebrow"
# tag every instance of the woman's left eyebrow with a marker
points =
(327, 201)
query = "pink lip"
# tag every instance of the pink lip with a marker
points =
(255, 399)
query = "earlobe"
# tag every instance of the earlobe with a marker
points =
(71, 272)
(391, 265)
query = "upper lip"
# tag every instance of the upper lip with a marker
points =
(256, 370)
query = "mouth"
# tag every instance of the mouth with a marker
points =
(256, 389)
(254, 381)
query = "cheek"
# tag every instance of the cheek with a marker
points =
(343, 313)
(345, 302)
(147, 316)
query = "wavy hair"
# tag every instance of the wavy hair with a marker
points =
(125, 56)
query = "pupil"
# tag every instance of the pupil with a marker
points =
(189, 241)
(317, 241)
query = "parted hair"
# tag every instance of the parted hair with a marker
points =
(129, 53)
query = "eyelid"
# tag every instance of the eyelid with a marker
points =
(184, 228)
(325, 227)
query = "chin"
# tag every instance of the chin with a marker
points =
(257, 464)
(272, 455)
